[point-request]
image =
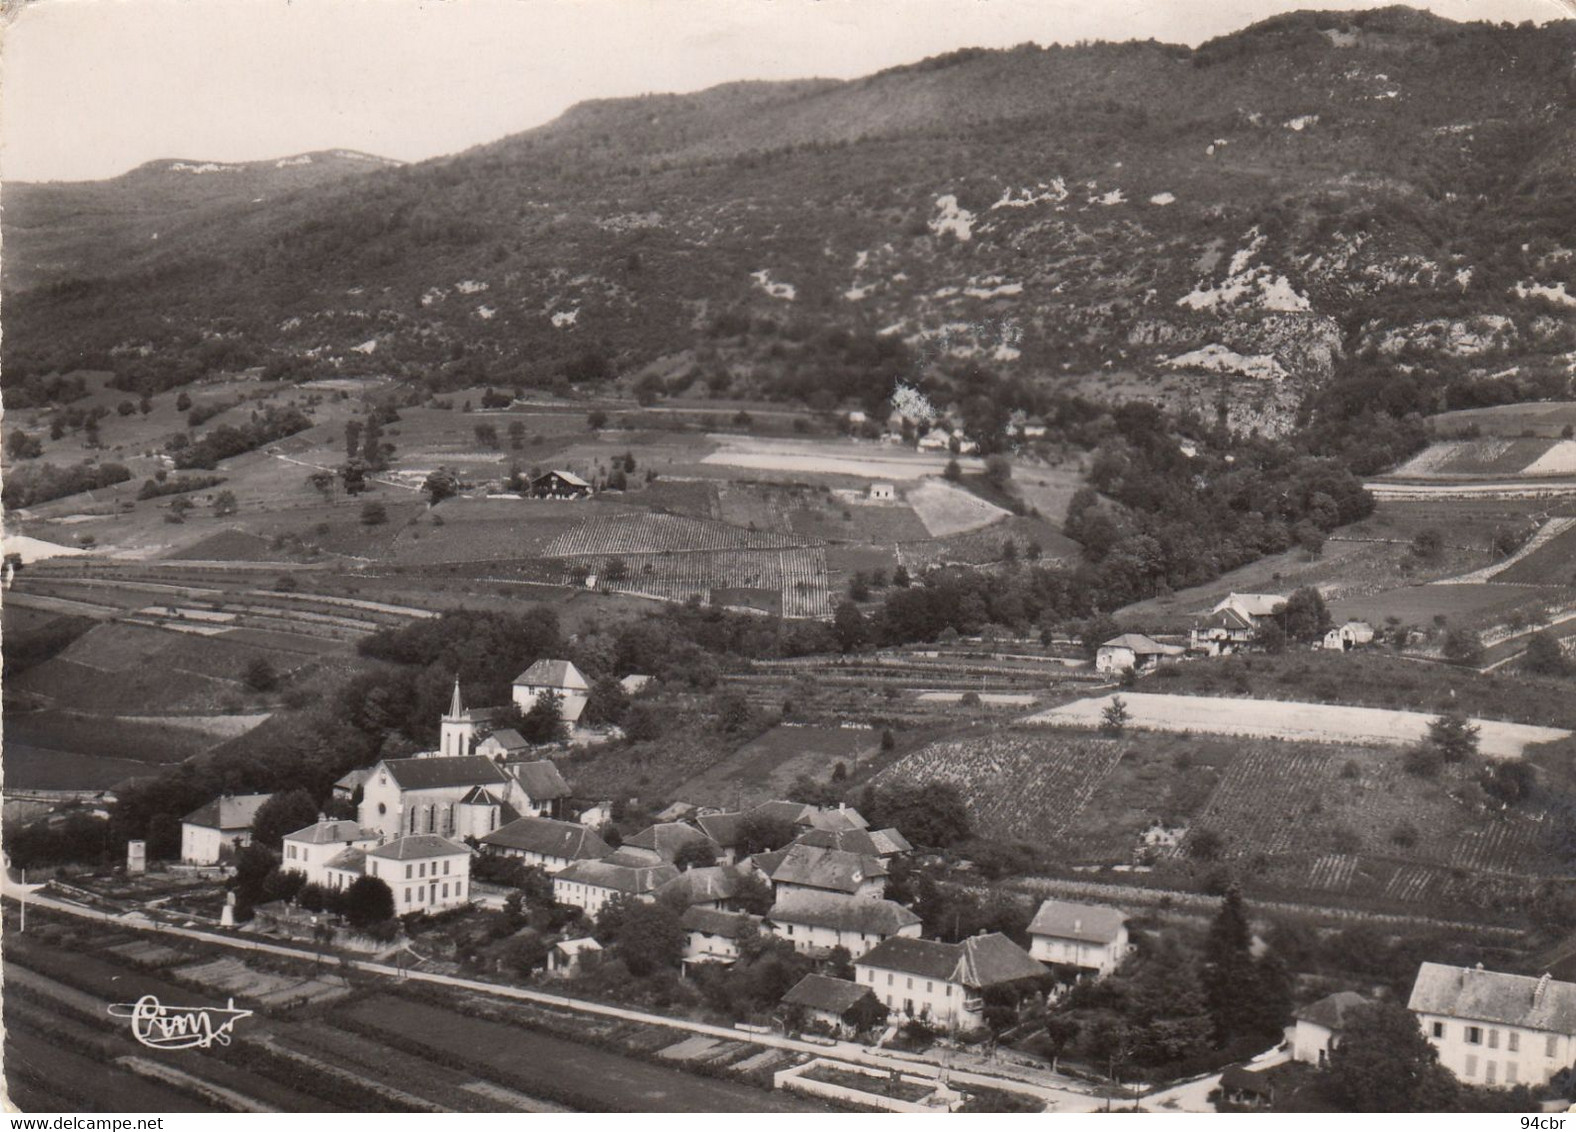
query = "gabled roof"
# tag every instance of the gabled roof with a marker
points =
(978, 962)
(554, 674)
(1086, 923)
(1140, 645)
(928, 957)
(635, 880)
(419, 846)
(568, 840)
(828, 910)
(353, 778)
(479, 797)
(436, 773)
(1331, 1011)
(329, 832)
(665, 839)
(703, 885)
(872, 843)
(1225, 619)
(1253, 605)
(889, 842)
(567, 477)
(1476, 995)
(794, 813)
(574, 947)
(509, 739)
(822, 992)
(721, 828)
(992, 959)
(541, 780)
(678, 811)
(230, 812)
(835, 820)
(729, 925)
(348, 860)
(831, 869)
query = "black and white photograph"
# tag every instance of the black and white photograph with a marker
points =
(788, 556)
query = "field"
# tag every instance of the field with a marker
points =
(766, 767)
(1552, 563)
(848, 459)
(948, 510)
(1543, 418)
(1289, 720)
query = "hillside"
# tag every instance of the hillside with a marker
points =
(1221, 226)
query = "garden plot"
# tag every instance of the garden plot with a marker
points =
(1008, 699)
(232, 977)
(1292, 720)
(642, 533)
(1559, 460)
(834, 458)
(949, 510)
(1018, 784)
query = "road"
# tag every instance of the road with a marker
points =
(1059, 1097)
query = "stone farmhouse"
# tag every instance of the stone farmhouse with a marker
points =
(944, 983)
(1233, 623)
(817, 922)
(588, 885)
(1134, 652)
(544, 843)
(559, 677)
(836, 1005)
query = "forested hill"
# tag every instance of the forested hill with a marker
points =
(1323, 195)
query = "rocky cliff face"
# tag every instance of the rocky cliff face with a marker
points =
(1226, 227)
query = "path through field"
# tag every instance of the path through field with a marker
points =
(1283, 719)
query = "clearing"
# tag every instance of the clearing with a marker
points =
(1291, 720)
(949, 510)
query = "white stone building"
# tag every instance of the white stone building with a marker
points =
(214, 832)
(556, 676)
(1491, 1028)
(426, 873)
(1092, 937)
(309, 850)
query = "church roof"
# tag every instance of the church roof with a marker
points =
(229, 811)
(554, 674)
(478, 797)
(435, 773)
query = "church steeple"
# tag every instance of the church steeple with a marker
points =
(456, 705)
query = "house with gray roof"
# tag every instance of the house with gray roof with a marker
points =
(309, 850)
(712, 935)
(542, 789)
(945, 982)
(665, 840)
(838, 1006)
(1133, 652)
(817, 922)
(708, 886)
(801, 868)
(216, 831)
(1090, 937)
(425, 872)
(545, 843)
(1321, 1026)
(558, 677)
(588, 885)
(1493, 1028)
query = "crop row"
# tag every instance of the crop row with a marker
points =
(655, 534)
(797, 575)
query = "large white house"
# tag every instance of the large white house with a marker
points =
(808, 868)
(215, 831)
(310, 850)
(560, 677)
(1492, 1028)
(1088, 936)
(944, 982)
(426, 873)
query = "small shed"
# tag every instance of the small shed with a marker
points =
(1351, 635)
(883, 492)
(841, 1006)
(572, 956)
(1242, 1087)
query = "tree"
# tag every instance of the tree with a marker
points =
(368, 902)
(1463, 646)
(1304, 616)
(283, 813)
(1230, 976)
(696, 854)
(1545, 657)
(322, 482)
(953, 471)
(1096, 631)
(1509, 780)
(224, 504)
(998, 470)
(372, 450)
(183, 401)
(20, 446)
(259, 675)
(596, 420)
(373, 514)
(752, 894)
(1384, 1063)
(733, 710)
(761, 833)
(439, 485)
(859, 586)
(927, 813)
(1453, 737)
(616, 570)
(544, 722)
(352, 438)
(1115, 718)
(1269, 635)
(487, 434)
(649, 938)
(516, 435)
(900, 577)
(848, 626)
(354, 476)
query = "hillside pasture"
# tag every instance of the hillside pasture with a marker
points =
(1544, 418)
(29, 767)
(1552, 564)
(949, 510)
(767, 766)
(831, 458)
(1289, 720)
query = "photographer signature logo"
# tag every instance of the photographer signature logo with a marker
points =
(178, 1027)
